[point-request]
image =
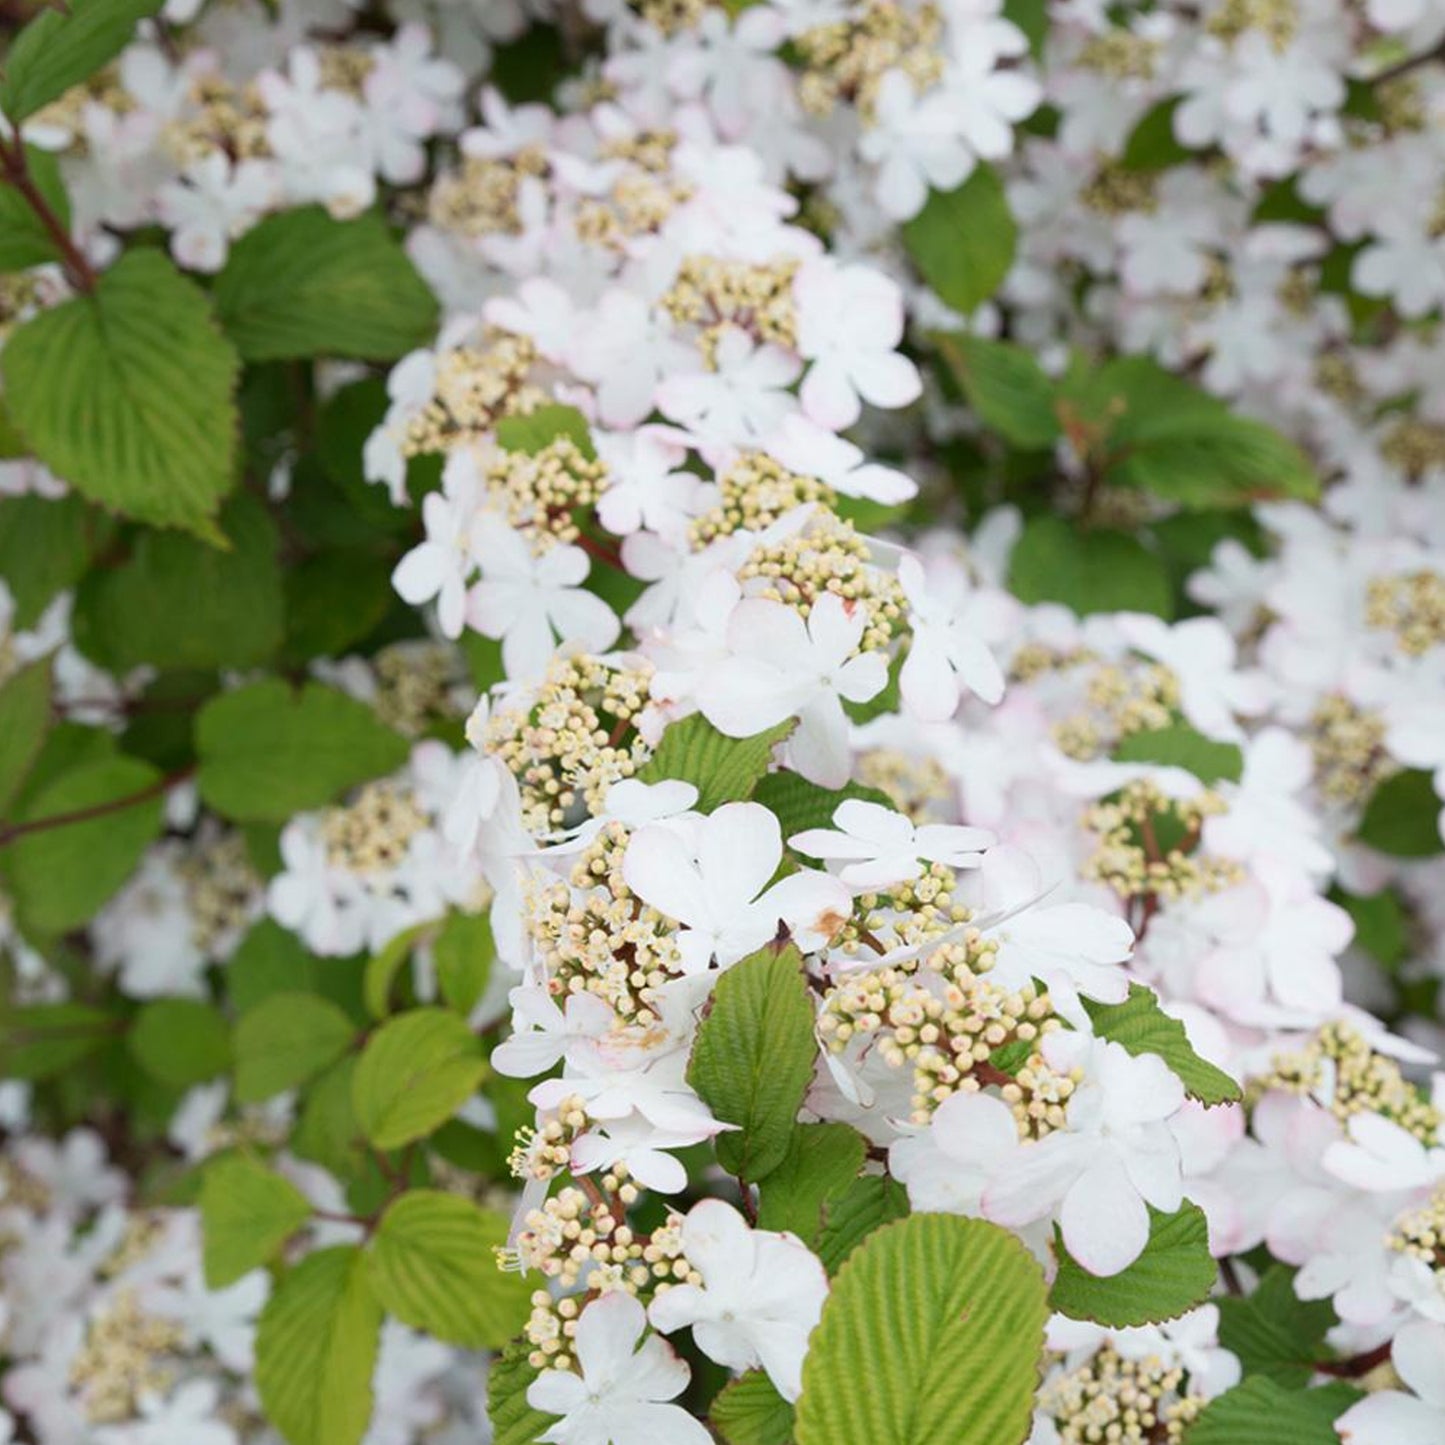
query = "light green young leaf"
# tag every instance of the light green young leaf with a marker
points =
(513, 1420)
(414, 1074)
(304, 284)
(285, 1040)
(316, 1349)
(1260, 1409)
(963, 241)
(327, 1132)
(247, 1213)
(384, 965)
(1175, 1273)
(722, 769)
(538, 429)
(269, 959)
(961, 1305)
(1142, 1027)
(749, 1411)
(128, 394)
(463, 953)
(45, 546)
(753, 1058)
(268, 752)
(852, 1216)
(181, 1041)
(434, 1267)
(1180, 746)
(1089, 571)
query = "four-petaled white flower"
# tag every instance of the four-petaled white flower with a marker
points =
(885, 846)
(945, 653)
(1391, 1417)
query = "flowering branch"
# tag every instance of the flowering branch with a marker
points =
(9, 834)
(15, 171)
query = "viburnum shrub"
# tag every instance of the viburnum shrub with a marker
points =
(722, 721)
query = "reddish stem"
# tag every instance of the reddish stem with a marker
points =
(98, 810)
(15, 170)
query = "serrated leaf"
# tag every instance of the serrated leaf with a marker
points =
(181, 1041)
(850, 1217)
(24, 239)
(513, 1420)
(822, 1162)
(753, 1058)
(326, 1131)
(963, 240)
(1261, 1409)
(749, 1411)
(1275, 1332)
(45, 546)
(932, 1331)
(1142, 1027)
(316, 1348)
(1006, 386)
(180, 603)
(722, 769)
(24, 719)
(303, 284)
(1175, 1273)
(285, 1040)
(1089, 571)
(414, 1074)
(247, 1213)
(63, 873)
(1180, 746)
(798, 804)
(434, 1267)
(1402, 817)
(538, 429)
(127, 393)
(384, 965)
(269, 959)
(267, 752)
(463, 954)
(45, 1039)
(61, 47)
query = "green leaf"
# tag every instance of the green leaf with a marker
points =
(1180, 746)
(513, 1420)
(45, 546)
(334, 600)
(822, 1161)
(963, 240)
(414, 1074)
(434, 1267)
(1261, 1409)
(749, 1411)
(1006, 386)
(24, 720)
(1175, 1273)
(268, 960)
(24, 240)
(181, 1041)
(1381, 926)
(463, 953)
(722, 769)
(63, 873)
(1152, 145)
(384, 965)
(247, 1213)
(798, 804)
(128, 394)
(303, 284)
(752, 1060)
(181, 603)
(1274, 1332)
(931, 1332)
(316, 1349)
(45, 1039)
(538, 429)
(268, 752)
(327, 1132)
(1402, 817)
(849, 1218)
(1089, 571)
(1142, 1027)
(61, 47)
(285, 1040)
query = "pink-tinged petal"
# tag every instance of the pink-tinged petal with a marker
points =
(654, 1169)
(1037, 1179)
(1390, 1418)
(563, 566)
(977, 667)
(828, 396)
(976, 1129)
(1104, 1221)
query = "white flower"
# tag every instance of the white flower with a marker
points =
(1391, 1417)
(741, 401)
(530, 602)
(946, 653)
(618, 1394)
(1380, 1156)
(760, 1296)
(811, 450)
(646, 485)
(441, 566)
(551, 1032)
(190, 1417)
(886, 845)
(712, 878)
(781, 667)
(213, 203)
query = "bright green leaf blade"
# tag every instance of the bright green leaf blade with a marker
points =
(269, 959)
(1006, 387)
(316, 1349)
(798, 804)
(513, 1420)
(181, 1041)
(822, 1162)
(753, 1058)
(327, 1132)
(434, 1267)
(247, 1213)
(1261, 1410)
(1089, 571)
(63, 873)
(24, 240)
(464, 952)
(722, 769)
(749, 1411)
(414, 1074)
(1175, 1273)
(268, 752)
(285, 1040)
(1142, 1027)
(1274, 1332)
(1181, 746)
(303, 284)
(383, 967)
(128, 394)
(933, 1331)
(850, 1217)
(45, 546)
(539, 429)
(963, 241)
(24, 719)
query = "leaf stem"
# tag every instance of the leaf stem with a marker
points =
(9, 834)
(15, 171)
